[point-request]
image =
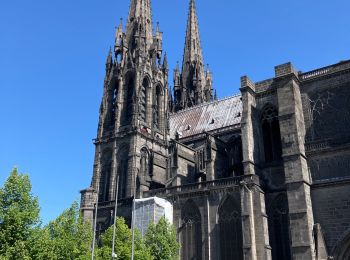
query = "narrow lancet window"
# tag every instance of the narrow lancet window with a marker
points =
(230, 230)
(271, 134)
(143, 101)
(191, 232)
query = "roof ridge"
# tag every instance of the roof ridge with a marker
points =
(206, 103)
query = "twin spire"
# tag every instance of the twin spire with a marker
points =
(140, 20)
(192, 50)
(193, 85)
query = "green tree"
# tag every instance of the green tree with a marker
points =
(122, 244)
(42, 245)
(19, 217)
(65, 238)
(161, 240)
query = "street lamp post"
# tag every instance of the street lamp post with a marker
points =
(96, 207)
(94, 235)
(114, 255)
(133, 222)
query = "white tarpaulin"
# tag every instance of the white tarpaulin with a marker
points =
(151, 210)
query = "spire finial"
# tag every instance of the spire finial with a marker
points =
(140, 16)
(109, 57)
(165, 61)
(193, 76)
(109, 61)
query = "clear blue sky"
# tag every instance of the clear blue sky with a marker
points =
(52, 56)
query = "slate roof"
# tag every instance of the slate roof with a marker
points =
(206, 117)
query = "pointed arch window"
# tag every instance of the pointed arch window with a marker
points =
(143, 100)
(157, 107)
(235, 155)
(114, 96)
(129, 98)
(201, 160)
(123, 160)
(191, 232)
(279, 229)
(106, 171)
(271, 134)
(230, 230)
(144, 164)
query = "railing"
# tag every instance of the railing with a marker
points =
(317, 146)
(326, 70)
(315, 73)
(200, 186)
(327, 143)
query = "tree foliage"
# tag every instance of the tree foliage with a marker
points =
(161, 240)
(19, 216)
(68, 237)
(122, 243)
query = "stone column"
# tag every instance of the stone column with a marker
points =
(149, 102)
(87, 204)
(248, 223)
(120, 102)
(210, 168)
(297, 177)
(247, 125)
(254, 219)
(206, 228)
(133, 158)
(119, 105)
(262, 240)
(113, 176)
(174, 167)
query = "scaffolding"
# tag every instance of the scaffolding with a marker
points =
(151, 210)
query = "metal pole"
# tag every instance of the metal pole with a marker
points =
(95, 224)
(96, 207)
(114, 255)
(133, 222)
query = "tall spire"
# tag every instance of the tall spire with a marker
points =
(195, 87)
(109, 61)
(193, 50)
(140, 21)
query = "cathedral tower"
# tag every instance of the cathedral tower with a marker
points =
(132, 129)
(193, 85)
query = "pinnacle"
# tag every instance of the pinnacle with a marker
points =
(109, 57)
(140, 19)
(157, 29)
(193, 50)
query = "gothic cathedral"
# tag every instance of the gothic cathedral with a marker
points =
(263, 174)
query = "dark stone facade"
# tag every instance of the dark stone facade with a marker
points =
(261, 175)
